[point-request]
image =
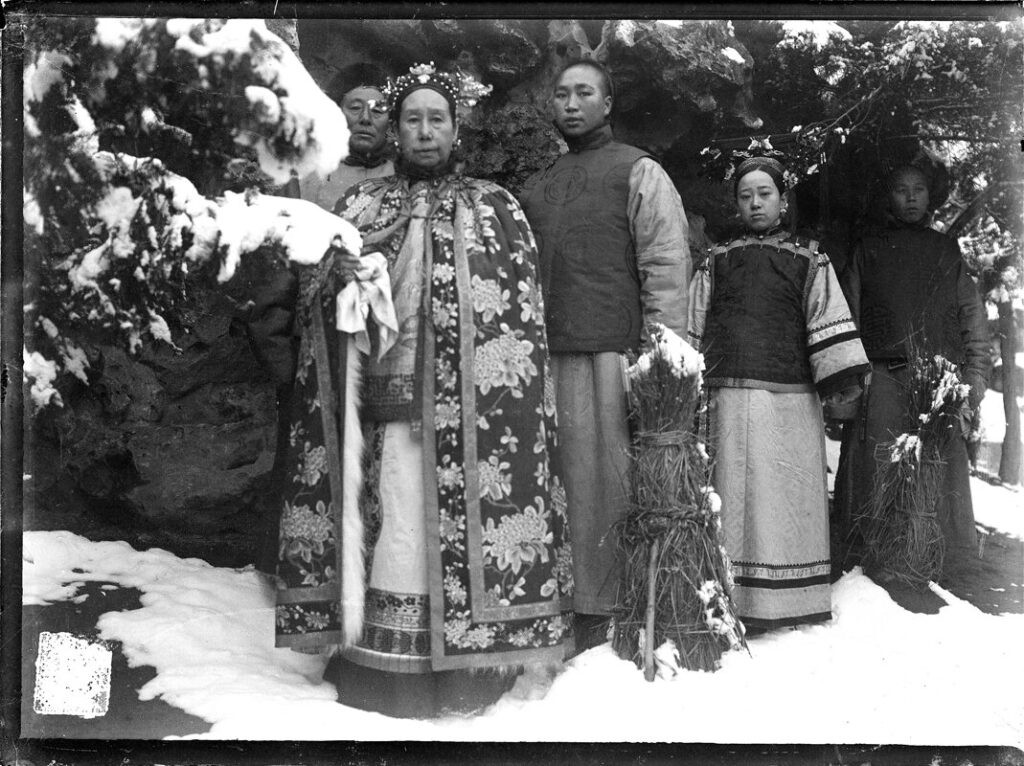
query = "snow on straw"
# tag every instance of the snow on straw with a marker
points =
(684, 359)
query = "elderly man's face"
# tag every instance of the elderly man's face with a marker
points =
(367, 118)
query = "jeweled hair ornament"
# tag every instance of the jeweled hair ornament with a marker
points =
(459, 88)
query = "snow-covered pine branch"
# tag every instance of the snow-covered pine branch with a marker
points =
(114, 236)
(269, 100)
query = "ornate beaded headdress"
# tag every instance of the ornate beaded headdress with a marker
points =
(769, 165)
(459, 88)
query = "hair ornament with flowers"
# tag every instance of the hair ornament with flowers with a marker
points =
(800, 159)
(458, 87)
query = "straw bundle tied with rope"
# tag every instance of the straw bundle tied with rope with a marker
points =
(900, 527)
(674, 604)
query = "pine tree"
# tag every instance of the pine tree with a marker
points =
(149, 146)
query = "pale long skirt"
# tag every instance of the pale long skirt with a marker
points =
(389, 669)
(593, 435)
(770, 471)
(396, 628)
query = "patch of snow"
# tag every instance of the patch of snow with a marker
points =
(31, 214)
(117, 207)
(40, 373)
(733, 55)
(91, 266)
(817, 33)
(86, 138)
(158, 328)
(113, 34)
(42, 74)
(993, 418)
(1001, 508)
(287, 108)
(304, 229)
(209, 632)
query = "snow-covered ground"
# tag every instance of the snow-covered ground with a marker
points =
(876, 673)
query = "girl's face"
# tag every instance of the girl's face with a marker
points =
(426, 132)
(759, 201)
(908, 195)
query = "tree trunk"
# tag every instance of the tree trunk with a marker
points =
(1010, 458)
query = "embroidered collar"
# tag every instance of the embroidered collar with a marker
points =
(775, 231)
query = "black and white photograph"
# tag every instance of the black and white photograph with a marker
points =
(513, 374)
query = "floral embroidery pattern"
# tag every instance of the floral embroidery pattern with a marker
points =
(521, 529)
(504, 361)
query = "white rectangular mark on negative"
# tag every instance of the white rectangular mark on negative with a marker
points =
(72, 676)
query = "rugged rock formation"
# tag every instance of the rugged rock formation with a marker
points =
(173, 448)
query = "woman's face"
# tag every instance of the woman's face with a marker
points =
(759, 201)
(426, 132)
(908, 195)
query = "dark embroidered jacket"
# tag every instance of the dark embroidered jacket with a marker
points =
(767, 312)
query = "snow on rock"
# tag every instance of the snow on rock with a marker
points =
(291, 124)
(733, 55)
(40, 373)
(875, 673)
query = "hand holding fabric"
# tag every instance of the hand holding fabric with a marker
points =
(368, 292)
(347, 260)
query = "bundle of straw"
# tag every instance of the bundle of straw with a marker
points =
(676, 590)
(900, 527)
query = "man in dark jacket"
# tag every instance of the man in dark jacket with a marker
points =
(612, 236)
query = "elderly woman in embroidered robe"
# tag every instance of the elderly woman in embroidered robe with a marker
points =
(768, 314)
(456, 499)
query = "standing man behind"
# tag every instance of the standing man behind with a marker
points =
(367, 117)
(612, 236)
(273, 296)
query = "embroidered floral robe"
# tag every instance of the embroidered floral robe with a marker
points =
(470, 368)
